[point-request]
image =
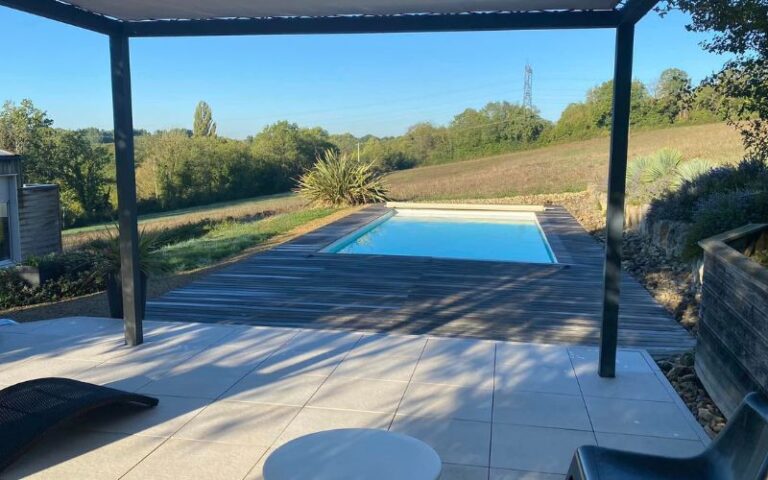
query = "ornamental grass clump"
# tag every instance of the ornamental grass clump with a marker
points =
(339, 180)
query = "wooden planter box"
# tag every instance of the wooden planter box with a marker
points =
(732, 348)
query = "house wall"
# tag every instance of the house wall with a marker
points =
(39, 220)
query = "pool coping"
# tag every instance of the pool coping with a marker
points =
(467, 206)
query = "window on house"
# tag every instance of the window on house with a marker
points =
(5, 220)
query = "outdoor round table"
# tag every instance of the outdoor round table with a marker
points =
(353, 454)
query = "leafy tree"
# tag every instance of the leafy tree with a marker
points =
(27, 130)
(291, 149)
(79, 167)
(204, 126)
(740, 29)
(673, 94)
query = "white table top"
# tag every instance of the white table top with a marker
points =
(353, 454)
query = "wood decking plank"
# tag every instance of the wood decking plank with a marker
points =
(295, 284)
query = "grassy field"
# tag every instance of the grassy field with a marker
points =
(230, 238)
(240, 210)
(568, 167)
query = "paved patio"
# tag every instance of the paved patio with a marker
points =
(229, 394)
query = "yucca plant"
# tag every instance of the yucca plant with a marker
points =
(337, 180)
(663, 165)
(691, 170)
(107, 266)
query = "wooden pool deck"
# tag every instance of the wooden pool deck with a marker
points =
(296, 285)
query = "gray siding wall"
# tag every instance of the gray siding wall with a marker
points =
(10, 165)
(732, 349)
(39, 220)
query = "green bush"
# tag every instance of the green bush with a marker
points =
(75, 278)
(751, 175)
(339, 180)
(721, 212)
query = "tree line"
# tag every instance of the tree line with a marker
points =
(181, 168)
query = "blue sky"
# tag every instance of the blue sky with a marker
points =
(377, 84)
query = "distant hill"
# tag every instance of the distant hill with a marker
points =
(566, 167)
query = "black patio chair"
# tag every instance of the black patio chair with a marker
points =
(30, 409)
(740, 452)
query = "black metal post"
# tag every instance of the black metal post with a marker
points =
(130, 272)
(617, 171)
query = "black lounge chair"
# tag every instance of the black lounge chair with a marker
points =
(30, 409)
(740, 452)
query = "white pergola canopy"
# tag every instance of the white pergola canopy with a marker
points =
(138, 10)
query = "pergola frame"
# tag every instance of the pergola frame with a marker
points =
(621, 19)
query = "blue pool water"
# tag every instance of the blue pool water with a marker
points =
(513, 238)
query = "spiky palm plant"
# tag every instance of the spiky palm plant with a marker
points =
(337, 179)
(692, 169)
(663, 165)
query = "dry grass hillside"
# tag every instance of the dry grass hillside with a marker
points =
(568, 167)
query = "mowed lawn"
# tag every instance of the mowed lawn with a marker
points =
(568, 167)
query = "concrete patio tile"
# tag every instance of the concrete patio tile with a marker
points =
(376, 367)
(70, 327)
(198, 381)
(257, 472)
(482, 350)
(627, 384)
(359, 394)
(242, 350)
(455, 441)
(446, 401)
(192, 460)
(322, 340)
(467, 372)
(193, 334)
(127, 376)
(278, 389)
(38, 368)
(536, 449)
(302, 362)
(502, 474)
(523, 356)
(638, 417)
(159, 354)
(651, 445)
(163, 420)
(540, 378)
(239, 423)
(395, 345)
(95, 350)
(540, 409)
(463, 472)
(311, 420)
(586, 359)
(82, 455)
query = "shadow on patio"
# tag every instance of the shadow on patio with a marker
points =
(230, 393)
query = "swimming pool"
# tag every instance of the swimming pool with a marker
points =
(470, 235)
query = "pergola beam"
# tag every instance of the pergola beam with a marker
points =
(635, 10)
(130, 268)
(377, 24)
(617, 174)
(68, 14)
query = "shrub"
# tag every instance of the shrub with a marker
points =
(721, 212)
(339, 180)
(76, 278)
(751, 175)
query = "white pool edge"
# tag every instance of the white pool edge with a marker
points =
(429, 210)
